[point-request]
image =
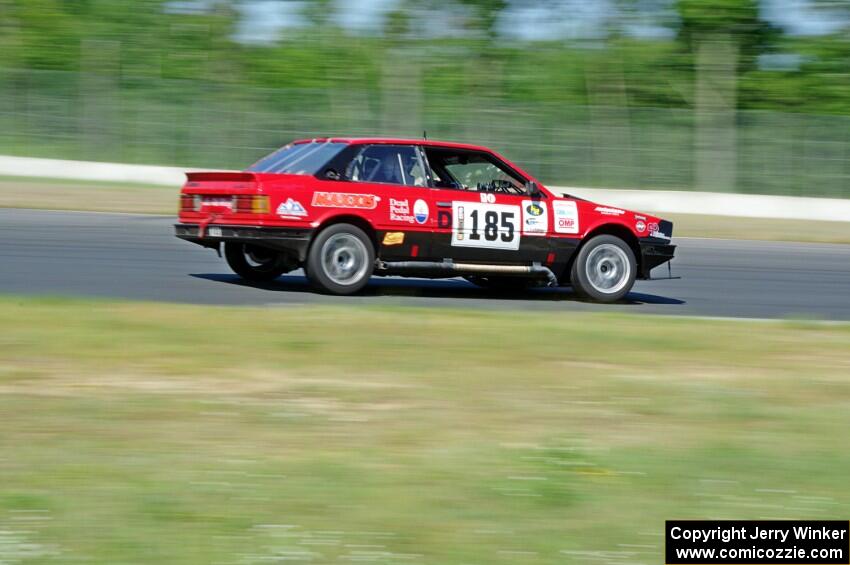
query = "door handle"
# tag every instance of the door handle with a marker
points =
(444, 204)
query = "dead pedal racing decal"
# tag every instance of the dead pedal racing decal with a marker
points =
(494, 226)
(291, 208)
(345, 200)
(535, 219)
(393, 238)
(400, 211)
(566, 216)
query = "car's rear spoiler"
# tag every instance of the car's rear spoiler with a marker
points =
(223, 176)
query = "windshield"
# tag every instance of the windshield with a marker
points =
(298, 158)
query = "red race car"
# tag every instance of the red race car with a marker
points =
(348, 209)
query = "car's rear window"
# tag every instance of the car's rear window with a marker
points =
(298, 158)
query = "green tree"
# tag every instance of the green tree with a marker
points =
(723, 37)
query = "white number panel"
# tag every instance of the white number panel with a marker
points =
(479, 224)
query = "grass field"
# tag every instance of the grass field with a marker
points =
(145, 433)
(54, 194)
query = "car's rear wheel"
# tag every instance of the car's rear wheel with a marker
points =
(604, 269)
(341, 259)
(255, 263)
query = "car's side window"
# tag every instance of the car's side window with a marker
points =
(471, 170)
(393, 164)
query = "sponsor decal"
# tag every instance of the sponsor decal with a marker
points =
(566, 216)
(491, 226)
(535, 220)
(534, 209)
(216, 202)
(640, 226)
(655, 231)
(420, 211)
(639, 217)
(610, 211)
(488, 198)
(393, 238)
(291, 208)
(345, 200)
(400, 211)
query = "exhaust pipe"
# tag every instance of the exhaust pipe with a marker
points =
(447, 266)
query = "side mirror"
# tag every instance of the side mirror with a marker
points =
(532, 189)
(331, 174)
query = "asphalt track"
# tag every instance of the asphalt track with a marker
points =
(136, 257)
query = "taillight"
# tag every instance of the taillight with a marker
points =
(190, 203)
(251, 204)
(260, 205)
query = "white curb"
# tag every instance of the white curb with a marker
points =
(669, 201)
(719, 204)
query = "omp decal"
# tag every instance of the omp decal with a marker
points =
(494, 226)
(393, 238)
(345, 200)
(535, 220)
(420, 211)
(291, 208)
(400, 211)
(566, 216)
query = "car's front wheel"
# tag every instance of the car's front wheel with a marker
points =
(604, 269)
(341, 259)
(255, 263)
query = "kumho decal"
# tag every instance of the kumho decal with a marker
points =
(345, 200)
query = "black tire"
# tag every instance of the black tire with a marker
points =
(341, 260)
(604, 269)
(502, 284)
(256, 264)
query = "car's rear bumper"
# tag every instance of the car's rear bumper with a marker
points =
(295, 240)
(654, 252)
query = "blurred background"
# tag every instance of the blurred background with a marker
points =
(722, 95)
(419, 422)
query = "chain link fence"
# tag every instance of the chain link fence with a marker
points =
(103, 117)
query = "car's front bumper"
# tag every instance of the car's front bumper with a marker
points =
(654, 252)
(296, 240)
